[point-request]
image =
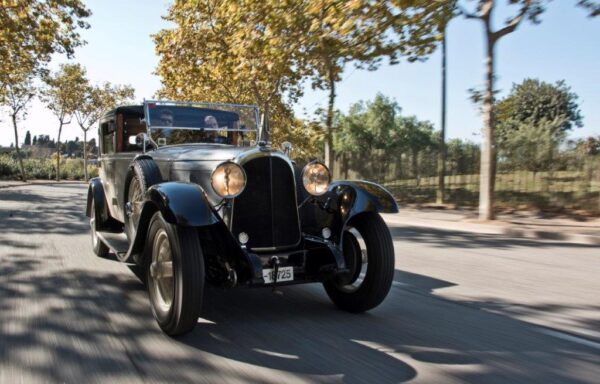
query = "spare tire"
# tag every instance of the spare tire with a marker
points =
(143, 174)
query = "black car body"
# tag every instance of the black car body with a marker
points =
(156, 204)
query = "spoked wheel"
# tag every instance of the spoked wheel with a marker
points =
(135, 198)
(175, 275)
(369, 255)
(100, 249)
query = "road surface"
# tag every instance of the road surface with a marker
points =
(463, 308)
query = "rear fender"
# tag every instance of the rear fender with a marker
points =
(96, 194)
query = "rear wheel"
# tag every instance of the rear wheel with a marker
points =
(100, 249)
(369, 255)
(174, 270)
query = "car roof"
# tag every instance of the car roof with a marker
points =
(127, 109)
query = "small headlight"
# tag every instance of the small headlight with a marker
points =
(316, 178)
(228, 180)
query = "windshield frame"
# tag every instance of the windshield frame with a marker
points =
(226, 106)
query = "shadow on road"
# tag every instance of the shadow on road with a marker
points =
(89, 325)
(82, 325)
(61, 210)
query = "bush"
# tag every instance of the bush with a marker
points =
(70, 169)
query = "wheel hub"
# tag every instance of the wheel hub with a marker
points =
(161, 270)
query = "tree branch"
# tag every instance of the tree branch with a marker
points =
(466, 14)
(512, 24)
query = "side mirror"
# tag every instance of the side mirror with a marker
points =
(287, 147)
(140, 139)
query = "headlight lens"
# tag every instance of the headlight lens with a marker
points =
(228, 180)
(316, 178)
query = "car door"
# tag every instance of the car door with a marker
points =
(106, 163)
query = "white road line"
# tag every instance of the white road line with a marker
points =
(571, 338)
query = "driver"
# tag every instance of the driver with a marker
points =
(210, 122)
(165, 120)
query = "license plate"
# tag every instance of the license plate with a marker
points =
(283, 274)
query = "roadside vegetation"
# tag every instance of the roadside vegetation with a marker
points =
(44, 169)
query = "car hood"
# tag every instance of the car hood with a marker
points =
(198, 152)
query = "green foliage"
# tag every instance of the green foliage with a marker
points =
(532, 122)
(374, 135)
(63, 90)
(44, 169)
(259, 52)
(31, 31)
(534, 101)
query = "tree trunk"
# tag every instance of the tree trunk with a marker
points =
(441, 163)
(329, 123)
(415, 165)
(14, 121)
(488, 163)
(58, 152)
(85, 170)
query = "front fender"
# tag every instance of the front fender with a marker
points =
(363, 196)
(356, 197)
(182, 204)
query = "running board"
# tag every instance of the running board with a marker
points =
(117, 242)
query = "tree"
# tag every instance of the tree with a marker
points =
(62, 94)
(235, 53)
(417, 137)
(95, 101)
(259, 51)
(363, 32)
(533, 101)
(27, 140)
(370, 128)
(441, 161)
(373, 132)
(532, 122)
(17, 95)
(34, 140)
(527, 10)
(31, 31)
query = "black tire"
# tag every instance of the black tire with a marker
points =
(100, 249)
(380, 266)
(187, 276)
(146, 173)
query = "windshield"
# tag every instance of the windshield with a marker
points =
(171, 123)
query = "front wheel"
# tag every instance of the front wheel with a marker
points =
(369, 255)
(174, 270)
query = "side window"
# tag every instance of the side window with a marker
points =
(108, 137)
(132, 127)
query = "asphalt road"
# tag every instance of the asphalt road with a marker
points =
(463, 308)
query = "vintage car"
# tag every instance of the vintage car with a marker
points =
(194, 193)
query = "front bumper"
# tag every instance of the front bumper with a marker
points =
(316, 260)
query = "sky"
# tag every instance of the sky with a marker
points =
(566, 45)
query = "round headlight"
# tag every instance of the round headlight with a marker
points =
(316, 178)
(228, 180)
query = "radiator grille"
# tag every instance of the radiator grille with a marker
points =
(267, 210)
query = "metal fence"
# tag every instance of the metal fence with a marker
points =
(551, 190)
